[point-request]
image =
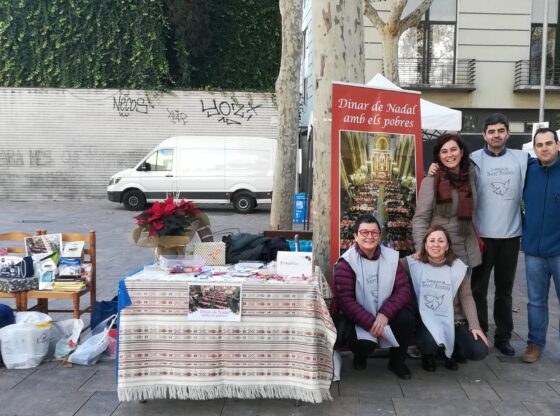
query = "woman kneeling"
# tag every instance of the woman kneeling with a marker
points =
(445, 302)
(374, 293)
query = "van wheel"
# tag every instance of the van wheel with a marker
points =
(244, 203)
(134, 200)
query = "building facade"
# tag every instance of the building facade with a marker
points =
(476, 56)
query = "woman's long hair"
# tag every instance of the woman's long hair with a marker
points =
(444, 138)
(450, 255)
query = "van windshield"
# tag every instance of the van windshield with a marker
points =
(162, 160)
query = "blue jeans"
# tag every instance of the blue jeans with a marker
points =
(538, 271)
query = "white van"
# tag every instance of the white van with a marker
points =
(202, 169)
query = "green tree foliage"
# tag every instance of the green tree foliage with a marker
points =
(189, 37)
(245, 48)
(83, 44)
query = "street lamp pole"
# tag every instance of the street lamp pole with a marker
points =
(544, 49)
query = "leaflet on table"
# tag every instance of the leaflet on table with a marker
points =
(215, 302)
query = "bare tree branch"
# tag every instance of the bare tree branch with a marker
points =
(413, 18)
(373, 16)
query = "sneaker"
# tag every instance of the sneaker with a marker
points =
(532, 354)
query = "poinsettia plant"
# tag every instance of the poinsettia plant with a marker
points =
(169, 218)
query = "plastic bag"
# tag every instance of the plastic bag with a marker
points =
(94, 344)
(71, 330)
(26, 343)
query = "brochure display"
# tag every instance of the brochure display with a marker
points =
(376, 158)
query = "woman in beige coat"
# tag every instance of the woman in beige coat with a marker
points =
(448, 198)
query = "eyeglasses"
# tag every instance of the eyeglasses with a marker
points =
(365, 233)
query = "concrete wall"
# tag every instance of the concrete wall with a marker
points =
(61, 144)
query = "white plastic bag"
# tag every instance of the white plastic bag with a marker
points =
(26, 343)
(71, 330)
(95, 343)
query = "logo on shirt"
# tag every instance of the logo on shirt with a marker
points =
(433, 302)
(500, 187)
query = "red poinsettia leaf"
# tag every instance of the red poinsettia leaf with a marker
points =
(154, 209)
(158, 225)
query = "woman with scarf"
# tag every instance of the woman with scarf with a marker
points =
(448, 199)
(445, 303)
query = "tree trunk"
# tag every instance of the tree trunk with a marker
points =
(287, 91)
(390, 47)
(338, 55)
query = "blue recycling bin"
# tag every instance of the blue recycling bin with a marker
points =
(301, 208)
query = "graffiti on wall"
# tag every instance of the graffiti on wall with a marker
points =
(229, 113)
(11, 158)
(177, 117)
(126, 104)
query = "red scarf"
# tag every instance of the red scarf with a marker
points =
(446, 181)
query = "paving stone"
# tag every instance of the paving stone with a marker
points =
(432, 389)
(442, 407)
(377, 407)
(102, 380)
(479, 390)
(525, 391)
(241, 407)
(510, 408)
(101, 403)
(555, 385)
(53, 379)
(171, 407)
(39, 402)
(543, 409)
(10, 378)
(519, 371)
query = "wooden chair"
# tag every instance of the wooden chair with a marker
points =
(20, 297)
(43, 296)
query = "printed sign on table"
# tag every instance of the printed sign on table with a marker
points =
(214, 302)
(376, 158)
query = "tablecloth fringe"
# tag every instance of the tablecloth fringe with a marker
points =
(216, 392)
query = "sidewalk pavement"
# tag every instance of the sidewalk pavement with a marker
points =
(499, 385)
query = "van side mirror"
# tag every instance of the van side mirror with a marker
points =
(146, 166)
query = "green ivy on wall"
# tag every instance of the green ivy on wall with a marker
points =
(83, 44)
(140, 44)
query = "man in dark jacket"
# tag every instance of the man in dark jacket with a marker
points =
(541, 237)
(373, 291)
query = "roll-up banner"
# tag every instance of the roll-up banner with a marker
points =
(376, 160)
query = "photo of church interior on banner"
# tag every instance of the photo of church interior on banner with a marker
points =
(377, 175)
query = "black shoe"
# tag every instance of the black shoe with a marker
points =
(458, 357)
(451, 364)
(504, 347)
(428, 362)
(360, 363)
(401, 370)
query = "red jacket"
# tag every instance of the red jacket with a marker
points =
(345, 281)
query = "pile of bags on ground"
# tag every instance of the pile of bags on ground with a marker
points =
(28, 338)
